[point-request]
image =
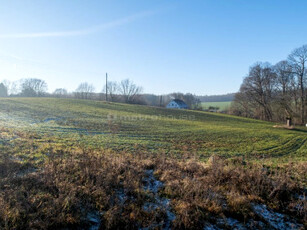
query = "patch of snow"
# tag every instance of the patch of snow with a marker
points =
(230, 223)
(274, 219)
(94, 220)
(26, 172)
(210, 227)
(121, 196)
(152, 185)
(53, 119)
(16, 159)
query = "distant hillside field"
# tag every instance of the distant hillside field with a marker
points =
(221, 105)
(124, 126)
(81, 164)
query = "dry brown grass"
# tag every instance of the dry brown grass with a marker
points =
(70, 185)
(228, 189)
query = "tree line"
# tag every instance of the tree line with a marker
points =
(275, 92)
(30, 87)
(125, 91)
(217, 98)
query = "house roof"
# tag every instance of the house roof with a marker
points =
(180, 102)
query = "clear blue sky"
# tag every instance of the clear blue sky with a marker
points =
(200, 46)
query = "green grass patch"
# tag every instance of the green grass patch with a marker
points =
(222, 105)
(97, 124)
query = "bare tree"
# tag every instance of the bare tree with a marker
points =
(14, 88)
(113, 90)
(177, 95)
(84, 90)
(33, 87)
(8, 86)
(192, 101)
(3, 90)
(60, 92)
(298, 61)
(129, 91)
(242, 106)
(284, 86)
(279, 91)
(258, 87)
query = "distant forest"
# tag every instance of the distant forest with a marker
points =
(217, 98)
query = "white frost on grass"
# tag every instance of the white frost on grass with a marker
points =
(274, 219)
(94, 219)
(152, 185)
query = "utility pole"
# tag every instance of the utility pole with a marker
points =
(161, 101)
(106, 86)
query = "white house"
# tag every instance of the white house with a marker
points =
(177, 104)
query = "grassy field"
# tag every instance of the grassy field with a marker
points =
(223, 105)
(68, 163)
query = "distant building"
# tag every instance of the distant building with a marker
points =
(177, 104)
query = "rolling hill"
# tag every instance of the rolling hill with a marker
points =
(81, 164)
(133, 126)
